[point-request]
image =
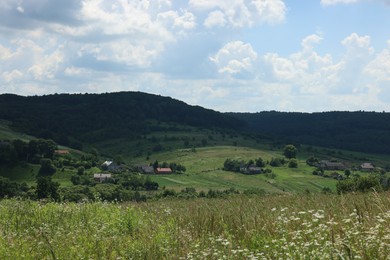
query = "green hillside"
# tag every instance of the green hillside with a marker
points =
(357, 131)
(84, 119)
(205, 171)
(134, 129)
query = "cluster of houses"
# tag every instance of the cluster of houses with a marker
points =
(146, 169)
(339, 166)
(251, 169)
(112, 167)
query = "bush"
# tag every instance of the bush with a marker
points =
(293, 163)
(47, 168)
(359, 184)
(277, 162)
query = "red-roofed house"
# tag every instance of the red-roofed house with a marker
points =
(163, 170)
(61, 152)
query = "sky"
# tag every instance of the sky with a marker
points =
(226, 55)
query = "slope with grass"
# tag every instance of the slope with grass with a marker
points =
(205, 171)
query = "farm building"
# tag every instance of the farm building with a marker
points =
(254, 170)
(367, 167)
(147, 169)
(335, 166)
(163, 170)
(101, 177)
(61, 152)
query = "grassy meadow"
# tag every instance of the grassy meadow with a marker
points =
(353, 226)
(204, 171)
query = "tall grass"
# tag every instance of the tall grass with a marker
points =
(354, 226)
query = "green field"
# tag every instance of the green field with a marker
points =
(204, 171)
(203, 153)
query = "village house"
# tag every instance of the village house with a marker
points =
(163, 170)
(110, 166)
(336, 176)
(333, 166)
(254, 169)
(61, 152)
(367, 167)
(101, 177)
(146, 169)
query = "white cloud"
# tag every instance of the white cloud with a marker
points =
(215, 18)
(379, 68)
(334, 2)
(235, 57)
(357, 46)
(74, 71)
(240, 13)
(20, 9)
(5, 53)
(270, 11)
(185, 21)
(11, 76)
(46, 66)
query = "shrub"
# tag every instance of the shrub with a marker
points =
(293, 163)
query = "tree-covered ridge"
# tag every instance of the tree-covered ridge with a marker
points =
(358, 131)
(71, 119)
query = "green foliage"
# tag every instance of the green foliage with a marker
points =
(325, 226)
(359, 184)
(312, 161)
(86, 119)
(259, 162)
(293, 163)
(9, 189)
(290, 151)
(355, 131)
(47, 189)
(277, 162)
(80, 170)
(232, 165)
(16, 151)
(47, 168)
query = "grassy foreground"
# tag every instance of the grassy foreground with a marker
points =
(355, 226)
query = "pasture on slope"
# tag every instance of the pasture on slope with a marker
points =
(205, 171)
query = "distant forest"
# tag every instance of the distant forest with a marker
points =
(87, 118)
(76, 119)
(356, 131)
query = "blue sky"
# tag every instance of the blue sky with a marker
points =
(227, 55)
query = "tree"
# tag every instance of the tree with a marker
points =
(75, 179)
(312, 161)
(47, 168)
(8, 188)
(260, 162)
(290, 151)
(347, 173)
(46, 188)
(155, 164)
(80, 170)
(293, 163)
(150, 185)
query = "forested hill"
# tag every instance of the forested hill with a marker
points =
(73, 118)
(358, 131)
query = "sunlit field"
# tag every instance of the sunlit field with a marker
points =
(353, 226)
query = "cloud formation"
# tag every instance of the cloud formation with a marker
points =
(230, 55)
(235, 57)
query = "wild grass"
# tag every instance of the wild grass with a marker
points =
(353, 226)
